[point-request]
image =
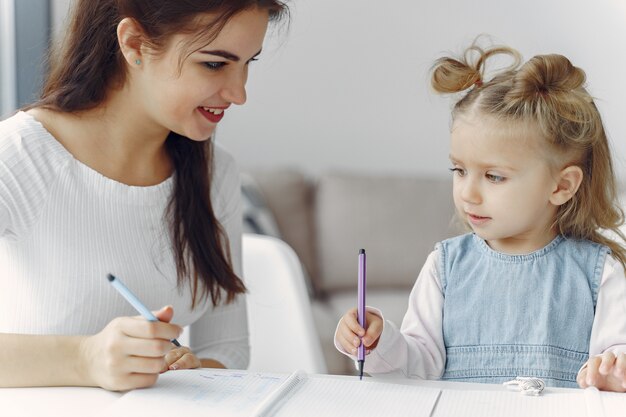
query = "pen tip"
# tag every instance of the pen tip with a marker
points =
(361, 251)
(110, 277)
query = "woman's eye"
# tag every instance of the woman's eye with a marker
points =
(214, 65)
(458, 171)
(495, 178)
(252, 60)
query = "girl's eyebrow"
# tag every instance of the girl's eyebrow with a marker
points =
(225, 54)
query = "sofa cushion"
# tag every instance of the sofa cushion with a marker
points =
(397, 220)
(289, 196)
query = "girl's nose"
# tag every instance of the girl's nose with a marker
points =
(470, 192)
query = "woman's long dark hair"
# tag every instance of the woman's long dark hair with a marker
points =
(89, 64)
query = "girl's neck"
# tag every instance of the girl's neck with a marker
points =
(522, 244)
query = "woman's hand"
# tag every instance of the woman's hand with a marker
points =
(349, 333)
(181, 358)
(606, 372)
(129, 352)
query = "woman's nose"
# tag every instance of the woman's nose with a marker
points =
(235, 89)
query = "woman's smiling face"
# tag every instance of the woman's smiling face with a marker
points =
(191, 98)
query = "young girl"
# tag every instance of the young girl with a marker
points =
(536, 290)
(113, 171)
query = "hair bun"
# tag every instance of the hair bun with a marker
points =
(450, 75)
(546, 75)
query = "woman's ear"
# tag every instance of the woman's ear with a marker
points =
(568, 182)
(129, 37)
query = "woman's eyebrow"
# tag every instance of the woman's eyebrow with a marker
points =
(225, 54)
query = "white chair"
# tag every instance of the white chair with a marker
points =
(283, 337)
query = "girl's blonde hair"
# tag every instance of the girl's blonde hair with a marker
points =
(548, 92)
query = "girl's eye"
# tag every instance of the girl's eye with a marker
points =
(458, 171)
(214, 65)
(495, 178)
(252, 60)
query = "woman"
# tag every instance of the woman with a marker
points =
(113, 171)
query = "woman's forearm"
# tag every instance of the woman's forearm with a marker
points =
(32, 361)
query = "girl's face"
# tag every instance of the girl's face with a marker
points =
(502, 183)
(191, 100)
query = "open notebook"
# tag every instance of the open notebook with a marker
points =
(228, 393)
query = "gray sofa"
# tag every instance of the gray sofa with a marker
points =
(397, 219)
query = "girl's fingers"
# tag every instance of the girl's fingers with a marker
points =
(374, 329)
(593, 364)
(608, 361)
(347, 343)
(620, 368)
(351, 321)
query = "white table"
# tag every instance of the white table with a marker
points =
(84, 402)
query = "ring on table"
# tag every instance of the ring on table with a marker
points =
(527, 385)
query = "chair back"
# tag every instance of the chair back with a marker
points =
(283, 337)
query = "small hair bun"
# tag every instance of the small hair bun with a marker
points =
(450, 75)
(546, 75)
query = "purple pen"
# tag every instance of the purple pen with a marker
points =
(361, 309)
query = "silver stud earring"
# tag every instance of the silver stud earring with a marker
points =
(138, 61)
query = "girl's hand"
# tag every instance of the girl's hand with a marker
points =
(181, 358)
(606, 372)
(350, 333)
(129, 352)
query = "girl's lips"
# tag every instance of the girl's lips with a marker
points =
(477, 220)
(211, 117)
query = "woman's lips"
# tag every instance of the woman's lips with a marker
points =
(211, 114)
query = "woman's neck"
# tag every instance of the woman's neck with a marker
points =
(116, 139)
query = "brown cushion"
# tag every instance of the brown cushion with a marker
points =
(289, 196)
(397, 220)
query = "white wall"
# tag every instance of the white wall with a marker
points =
(347, 87)
(7, 58)
(58, 10)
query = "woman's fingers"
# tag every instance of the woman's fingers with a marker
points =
(165, 314)
(141, 328)
(182, 358)
(151, 348)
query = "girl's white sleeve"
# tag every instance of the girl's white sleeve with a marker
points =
(417, 348)
(609, 325)
(222, 332)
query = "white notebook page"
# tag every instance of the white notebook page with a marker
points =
(346, 397)
(200, 392)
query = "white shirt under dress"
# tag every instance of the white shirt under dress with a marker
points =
(64, 227)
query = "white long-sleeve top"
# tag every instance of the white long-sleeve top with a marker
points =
(417, 349)
(64, 227)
